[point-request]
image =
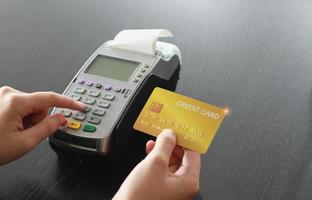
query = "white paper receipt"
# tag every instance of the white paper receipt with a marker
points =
(142, 40)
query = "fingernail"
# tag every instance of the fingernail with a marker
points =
(64, 123)
(82, 105)
(169, 134)
(59, 118)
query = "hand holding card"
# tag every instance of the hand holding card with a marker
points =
(194, 122)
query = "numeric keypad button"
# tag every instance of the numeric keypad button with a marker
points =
(79, 90)
(76, 97)
(88, 100)
(98, 112)
(94, 120)
(93, 93)
(108, 96)
(103, 104)
(79, 116)
(66, 113)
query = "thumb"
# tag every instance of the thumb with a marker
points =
(165, 143)
(45, 128)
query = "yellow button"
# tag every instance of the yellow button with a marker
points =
(73, 124)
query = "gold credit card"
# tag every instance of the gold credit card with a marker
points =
(194, 122)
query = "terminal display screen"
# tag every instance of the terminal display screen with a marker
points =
(113, 68)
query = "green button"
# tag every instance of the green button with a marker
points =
(89, 128)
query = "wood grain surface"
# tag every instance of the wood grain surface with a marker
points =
(252, 56)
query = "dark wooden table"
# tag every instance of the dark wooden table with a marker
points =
(253, 56)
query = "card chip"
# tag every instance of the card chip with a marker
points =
(156, 107)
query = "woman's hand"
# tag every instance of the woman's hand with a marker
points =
(167, 172)
(24, 120)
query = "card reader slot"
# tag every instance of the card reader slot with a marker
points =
(87, 142)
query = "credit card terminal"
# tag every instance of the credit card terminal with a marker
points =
(114, 84)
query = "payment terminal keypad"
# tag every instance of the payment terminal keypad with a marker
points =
(105, 100)
(98, 99)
